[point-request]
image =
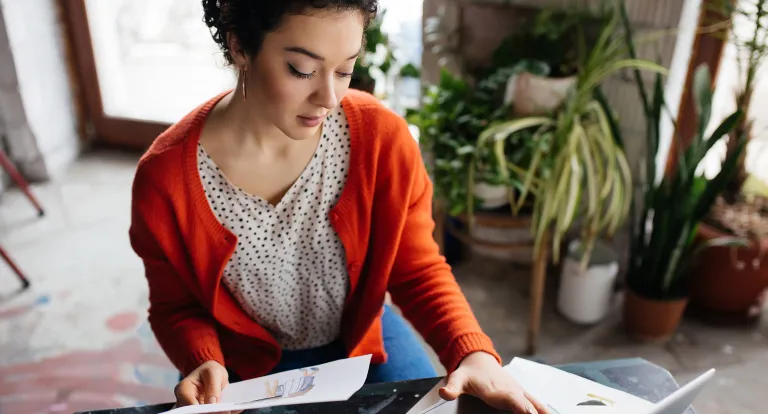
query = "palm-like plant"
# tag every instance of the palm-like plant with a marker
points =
(588, 175)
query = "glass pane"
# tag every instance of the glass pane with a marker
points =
(155, 59)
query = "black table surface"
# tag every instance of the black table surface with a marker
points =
(635, 376)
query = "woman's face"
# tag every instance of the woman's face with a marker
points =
(303, 70)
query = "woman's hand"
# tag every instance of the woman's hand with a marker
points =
(481, 376)
(203, 385)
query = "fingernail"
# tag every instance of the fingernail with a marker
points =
(212, 399)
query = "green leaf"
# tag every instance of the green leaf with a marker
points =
(607, 118)
(720, 242)
(465, 150)
(722, 130)
(598, 77)
(504, 129)
(702, 92)
(717, 184)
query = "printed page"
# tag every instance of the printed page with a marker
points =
(565, 393)
(334, 381)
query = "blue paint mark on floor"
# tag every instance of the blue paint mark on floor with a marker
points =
(43, 300)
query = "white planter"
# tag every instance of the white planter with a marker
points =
(537, 95)
(492, 196)
(585, 298)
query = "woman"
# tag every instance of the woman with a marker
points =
(273, 219)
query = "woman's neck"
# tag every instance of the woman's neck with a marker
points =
(241, 124)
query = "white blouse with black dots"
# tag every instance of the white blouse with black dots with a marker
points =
(289, 268)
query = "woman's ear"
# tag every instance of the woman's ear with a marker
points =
(236, 51)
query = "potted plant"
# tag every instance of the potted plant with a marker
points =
(556, 38)
(730, 280)
(585, 295)
(451, 117)
(663, 229)
(578, 167)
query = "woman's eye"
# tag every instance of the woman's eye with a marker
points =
(343, 74)
(301, 75)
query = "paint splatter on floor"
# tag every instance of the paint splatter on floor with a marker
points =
(56, 359)
(123, 321)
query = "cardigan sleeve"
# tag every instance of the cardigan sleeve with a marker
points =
(422, 284)
(182, 326)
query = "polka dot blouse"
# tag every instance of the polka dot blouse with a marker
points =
(289, 268)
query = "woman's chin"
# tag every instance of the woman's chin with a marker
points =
(300, 132)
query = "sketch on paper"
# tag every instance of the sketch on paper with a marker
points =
(332, 381)
(595, 399)
(291, 388)
(294, 387)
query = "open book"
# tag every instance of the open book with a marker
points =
(565, 393)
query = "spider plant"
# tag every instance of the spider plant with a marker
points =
(588, 175)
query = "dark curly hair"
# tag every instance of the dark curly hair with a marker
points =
(250, 20)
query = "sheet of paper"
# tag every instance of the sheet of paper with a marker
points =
(565, 393)
(430, 401)
(334, 381)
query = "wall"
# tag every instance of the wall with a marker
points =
(15, 137)
(36, 102)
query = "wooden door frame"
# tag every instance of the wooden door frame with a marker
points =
(708, 49)
(102, 129)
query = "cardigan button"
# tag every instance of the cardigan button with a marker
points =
(334, 217)
(354, 267)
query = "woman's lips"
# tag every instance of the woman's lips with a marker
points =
(310, 121)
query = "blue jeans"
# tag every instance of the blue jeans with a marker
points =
(407, 359)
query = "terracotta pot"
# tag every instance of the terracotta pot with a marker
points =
(728, 280)
(652, 320)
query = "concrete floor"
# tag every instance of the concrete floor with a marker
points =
(77, 340)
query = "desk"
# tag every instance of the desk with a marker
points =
(635, 376)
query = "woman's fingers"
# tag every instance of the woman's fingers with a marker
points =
(515, 402)
(186, 393)
(213, 382)
(454, 386)
(540, 407)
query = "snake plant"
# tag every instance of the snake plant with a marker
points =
(664, 228)
(588, 175)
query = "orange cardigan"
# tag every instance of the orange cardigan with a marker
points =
(384, 220)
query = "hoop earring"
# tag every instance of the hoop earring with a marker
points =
(245, 79)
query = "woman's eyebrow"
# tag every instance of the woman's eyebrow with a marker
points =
(296, 49)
